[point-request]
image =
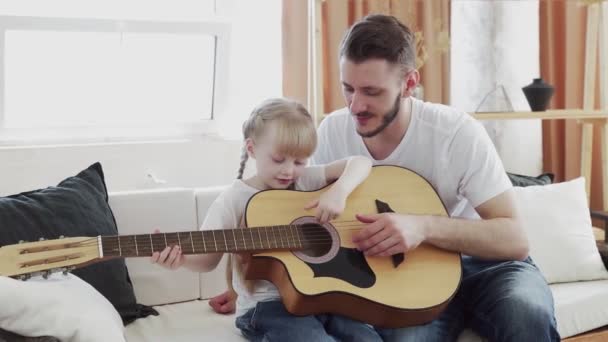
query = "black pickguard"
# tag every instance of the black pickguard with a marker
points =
(349, 265)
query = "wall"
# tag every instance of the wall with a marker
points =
(487, 49)
(188, 163)
(494, 43)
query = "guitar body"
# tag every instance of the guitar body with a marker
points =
(384, 291)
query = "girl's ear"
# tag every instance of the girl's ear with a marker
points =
(250, 147)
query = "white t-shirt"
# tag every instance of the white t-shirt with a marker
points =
(227, 211)
(449, 148)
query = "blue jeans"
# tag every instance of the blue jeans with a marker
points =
(501, 301)
(270, 321)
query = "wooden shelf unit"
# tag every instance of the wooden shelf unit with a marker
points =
(588, 118)
(546, 115)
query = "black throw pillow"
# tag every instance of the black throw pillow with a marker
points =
(78, 206)
(7, 336)
(522, 180)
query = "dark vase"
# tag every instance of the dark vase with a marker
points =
(538, 94)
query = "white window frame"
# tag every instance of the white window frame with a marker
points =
(216, 27)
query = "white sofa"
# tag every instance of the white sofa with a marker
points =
(181, 296)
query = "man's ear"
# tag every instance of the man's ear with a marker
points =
(250, 147)
(411, 80)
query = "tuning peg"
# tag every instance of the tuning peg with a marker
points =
(61, 237)
(21, 241)
(46, 274)
(68, 269)
(41, 239)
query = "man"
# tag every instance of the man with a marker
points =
(503, 296)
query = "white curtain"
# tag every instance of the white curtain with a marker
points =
(496, 43)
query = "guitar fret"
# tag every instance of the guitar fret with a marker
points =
(267, 239)
(251, 238)
(291, 232)
(243, 237)
(192, 242)
(298, 236)
(165, 236)
(195, 244)
(274, 236)
(179, 242)
(141, 245)
(119, 247)
(204, 242)
(260, 237)
(270, 241)
(277, 241)
(151, 245)
(214, 241)
(229, 239)
(236, 246)
(225, 240)
(289, 240)
(281, 235)
(157, 241)
(288, 234)
(224, 235)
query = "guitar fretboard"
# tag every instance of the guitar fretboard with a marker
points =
(291, 237)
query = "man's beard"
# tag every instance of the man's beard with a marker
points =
(386, 119)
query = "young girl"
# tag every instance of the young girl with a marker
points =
(280, 136)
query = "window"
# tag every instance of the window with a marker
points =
(127, 70)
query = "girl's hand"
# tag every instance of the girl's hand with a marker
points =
(329, 205)
(170, 258)
(224, 303)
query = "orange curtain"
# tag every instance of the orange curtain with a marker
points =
(295, 49)
(562, 63)
(431, 18)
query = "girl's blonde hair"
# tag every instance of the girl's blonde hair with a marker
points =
(296, 137)
(296, 132)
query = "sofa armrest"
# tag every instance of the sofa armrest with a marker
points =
(601, 245)
(602, 215)
(603, 249)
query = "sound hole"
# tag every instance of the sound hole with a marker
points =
(321, 242)
(316, 239)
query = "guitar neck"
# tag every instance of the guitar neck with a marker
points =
(291, 237)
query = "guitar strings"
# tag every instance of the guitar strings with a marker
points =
(312, 235)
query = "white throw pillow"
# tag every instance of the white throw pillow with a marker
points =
(65, 307)
(557, 221)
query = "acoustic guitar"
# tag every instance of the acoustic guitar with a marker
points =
(316, 268)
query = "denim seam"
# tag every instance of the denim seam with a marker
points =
(252, 319)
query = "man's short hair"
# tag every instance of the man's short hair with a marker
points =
(379, 36)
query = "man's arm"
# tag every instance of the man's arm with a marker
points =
(498, 235)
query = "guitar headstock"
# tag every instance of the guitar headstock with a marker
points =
(46, 256)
